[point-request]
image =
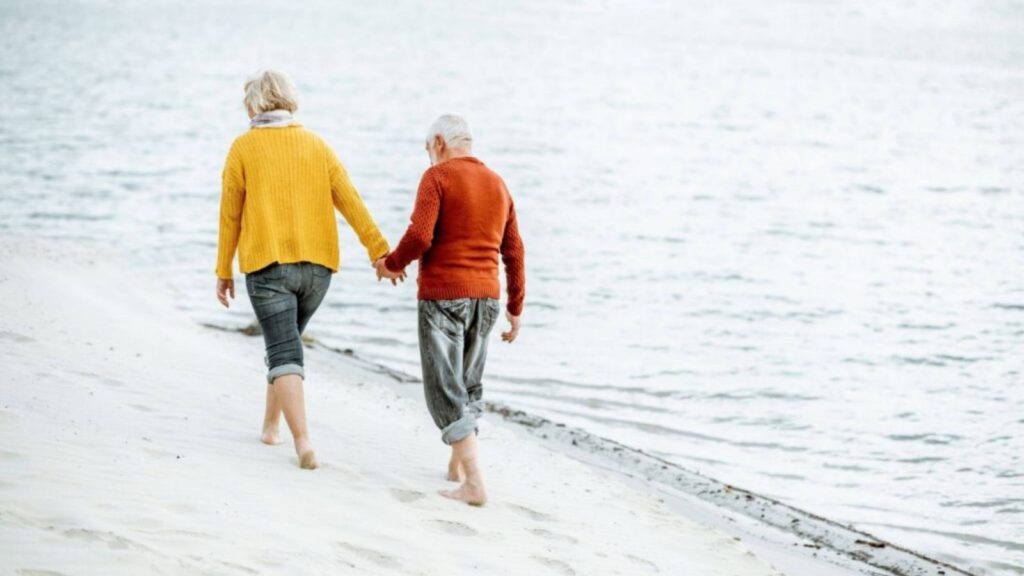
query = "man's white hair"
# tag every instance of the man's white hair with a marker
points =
(453, 129)
(269, 90)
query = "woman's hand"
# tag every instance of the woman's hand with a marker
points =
(383, 272)
(225, 288)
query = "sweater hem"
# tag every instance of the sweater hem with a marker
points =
(261, 264)
(455, 292)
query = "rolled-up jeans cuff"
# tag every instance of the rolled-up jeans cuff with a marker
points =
(284, 370)
(459, 429)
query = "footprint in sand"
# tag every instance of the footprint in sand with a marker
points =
(238, 567)
(113, 541)
(371, 555)
(15, 337)
(531, 514)
(647, 564)
(225, 566)
(548, 534)
(556, 565)
(406, 496)
(8, 456)
(174, 532)
(105, 380)
(158, 453)
(457, 528)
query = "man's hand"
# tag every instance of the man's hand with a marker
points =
(383, 272)
(224, 289)
(513, 331)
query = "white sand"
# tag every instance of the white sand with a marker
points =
(130, 446)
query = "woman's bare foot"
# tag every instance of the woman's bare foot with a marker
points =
(307, 461)
(271, 436)
(470, 493)
(307, 457)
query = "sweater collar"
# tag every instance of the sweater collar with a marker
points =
(472, 159)
(273, 119)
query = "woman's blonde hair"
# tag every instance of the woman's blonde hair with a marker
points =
(269, 90)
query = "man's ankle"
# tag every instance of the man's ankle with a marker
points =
(470, 466)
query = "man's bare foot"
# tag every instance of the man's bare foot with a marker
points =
(472, 494)
(454, 471)
(307, 458)
(270, 436)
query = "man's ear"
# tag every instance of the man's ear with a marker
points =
(439, 144)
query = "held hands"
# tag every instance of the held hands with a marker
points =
(515, 322)
(224, 289)
(383, 272)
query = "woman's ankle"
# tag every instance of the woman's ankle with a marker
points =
(302, 444)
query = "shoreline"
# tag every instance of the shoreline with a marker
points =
(770, 527)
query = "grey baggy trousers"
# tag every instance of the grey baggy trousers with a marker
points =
(453, 348)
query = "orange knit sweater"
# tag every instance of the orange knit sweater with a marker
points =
(463, 220)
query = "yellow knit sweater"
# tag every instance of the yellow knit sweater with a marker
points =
(280, 188)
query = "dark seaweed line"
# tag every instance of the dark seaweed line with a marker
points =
(847, 541)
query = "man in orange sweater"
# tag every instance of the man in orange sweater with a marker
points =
(463, 220)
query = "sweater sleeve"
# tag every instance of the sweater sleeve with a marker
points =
(513, 255)
(420, 234)
(232, 199)
(347, 200)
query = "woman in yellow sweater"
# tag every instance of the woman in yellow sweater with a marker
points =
(281, 184)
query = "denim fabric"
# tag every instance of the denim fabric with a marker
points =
(453, 349)
(284, 297)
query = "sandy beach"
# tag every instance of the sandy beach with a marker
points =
(131, 446)
(768, 248)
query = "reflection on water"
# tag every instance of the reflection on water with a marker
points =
(778, 245)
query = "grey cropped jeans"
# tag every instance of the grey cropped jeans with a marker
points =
(284, 297)
(453, 349)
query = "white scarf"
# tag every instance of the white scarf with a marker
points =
(273, 119)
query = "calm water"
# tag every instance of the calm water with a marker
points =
(778, 242)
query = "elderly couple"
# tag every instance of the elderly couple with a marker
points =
(281, 184)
